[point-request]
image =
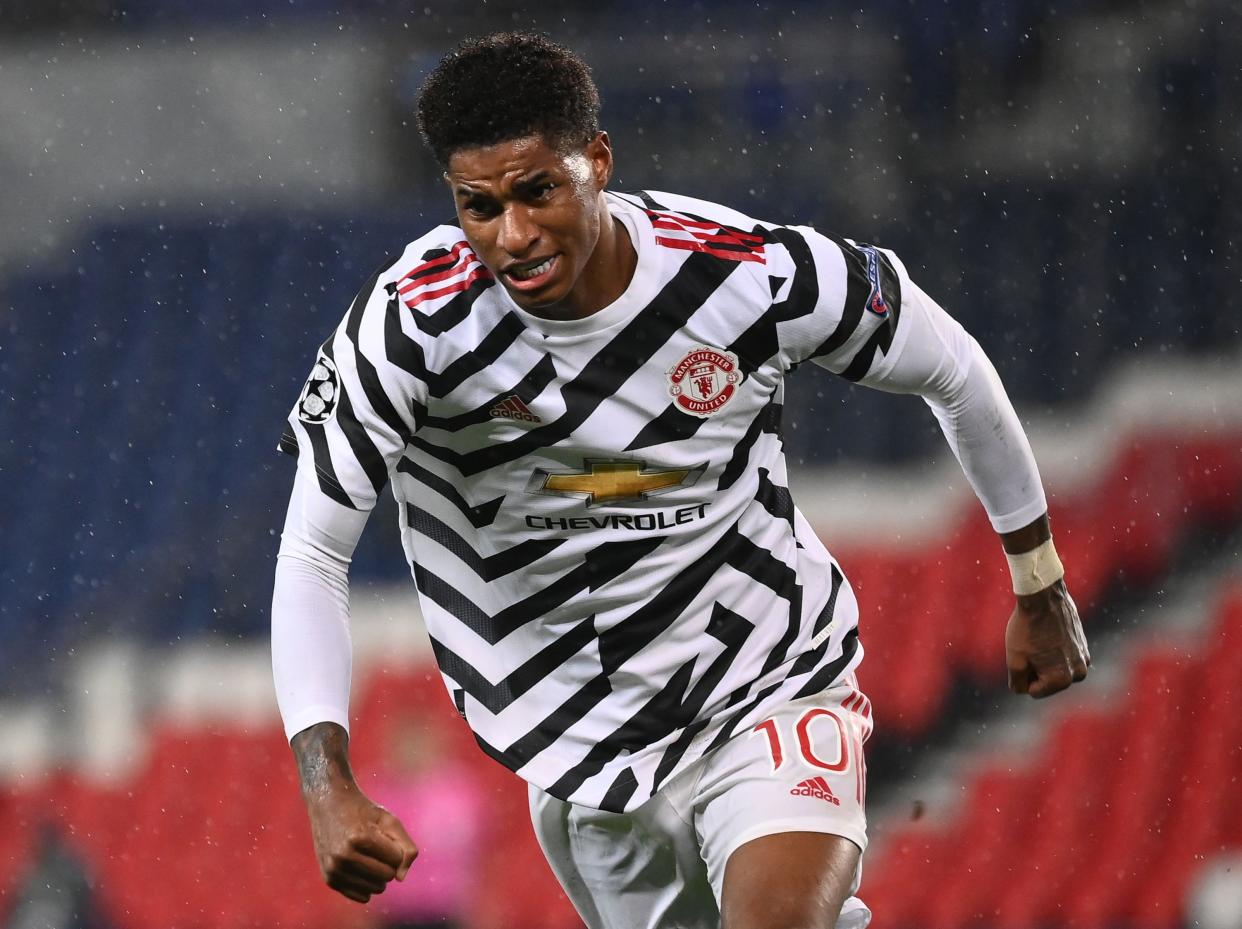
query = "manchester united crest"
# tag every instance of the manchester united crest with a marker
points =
(704, 380)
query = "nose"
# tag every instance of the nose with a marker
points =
(518, 231)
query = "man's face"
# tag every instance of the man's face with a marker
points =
(532, 214)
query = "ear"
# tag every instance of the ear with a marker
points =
(599, 154)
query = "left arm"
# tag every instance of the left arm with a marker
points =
(852, 308)
(936, 358)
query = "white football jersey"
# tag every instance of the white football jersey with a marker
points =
(611, 569)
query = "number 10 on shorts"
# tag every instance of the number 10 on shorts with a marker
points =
(829, 737)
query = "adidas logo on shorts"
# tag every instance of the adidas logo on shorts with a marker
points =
(815, 787)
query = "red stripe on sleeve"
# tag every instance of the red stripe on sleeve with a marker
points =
(477, 274)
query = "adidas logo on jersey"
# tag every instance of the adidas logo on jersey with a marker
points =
(815, 787)
(512, 407)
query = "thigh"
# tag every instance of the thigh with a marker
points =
(639, 870)
(793, 880)
(780, 813)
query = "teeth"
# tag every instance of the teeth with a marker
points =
(525, 274)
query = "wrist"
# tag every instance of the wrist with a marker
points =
(332, 787)
(1042, 600)
(1028, 537)
(322, 753)
(1035, 571)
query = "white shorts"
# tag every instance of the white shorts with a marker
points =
(662, 865)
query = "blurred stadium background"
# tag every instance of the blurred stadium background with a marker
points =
(193, 191)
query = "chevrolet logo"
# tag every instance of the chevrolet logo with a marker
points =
(602, 483)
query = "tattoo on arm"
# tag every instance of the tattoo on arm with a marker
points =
(322, 753)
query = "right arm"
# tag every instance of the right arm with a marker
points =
(360, 846)
(355, 416)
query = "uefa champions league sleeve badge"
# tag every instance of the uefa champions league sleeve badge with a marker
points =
(704, 381)
(318, 400)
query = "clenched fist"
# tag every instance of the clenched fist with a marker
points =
(1045, 648)
(360, 845)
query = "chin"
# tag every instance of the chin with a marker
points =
(539, 301)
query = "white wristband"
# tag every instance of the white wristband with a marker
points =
(1035, 570)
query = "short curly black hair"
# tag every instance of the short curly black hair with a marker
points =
(503, 86)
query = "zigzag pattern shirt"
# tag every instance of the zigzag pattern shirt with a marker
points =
(612, 572)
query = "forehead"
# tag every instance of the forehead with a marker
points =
(504, 162)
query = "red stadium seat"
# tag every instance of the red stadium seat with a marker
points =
(997, 809)
(1066, 800)
(1120, 808)
(19, 821)
(919, 611)
(916, 856)
(981, 600)
(1139, 790)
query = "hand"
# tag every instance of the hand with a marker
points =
(360, 845)
(1045, 648)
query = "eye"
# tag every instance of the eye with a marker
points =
(480, 209)
(542, 191)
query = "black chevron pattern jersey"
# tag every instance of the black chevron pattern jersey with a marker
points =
(612, 572)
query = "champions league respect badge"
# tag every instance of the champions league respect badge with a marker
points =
(318, 400)
(704, 381)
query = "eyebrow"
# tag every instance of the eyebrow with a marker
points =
(533, 180)
(462, 190)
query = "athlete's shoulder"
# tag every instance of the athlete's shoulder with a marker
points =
(663, 201)
(438, 255)
(688, 224)
(433, 270)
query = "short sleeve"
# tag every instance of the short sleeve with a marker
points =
(843, 297)
(363, 400)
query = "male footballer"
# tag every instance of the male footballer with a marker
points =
(576, 395)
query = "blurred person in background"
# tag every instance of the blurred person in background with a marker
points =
(434, 794)
(626, 607)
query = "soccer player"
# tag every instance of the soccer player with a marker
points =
(576, 395)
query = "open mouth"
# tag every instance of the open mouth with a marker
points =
(527, 271)
(528, 275)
